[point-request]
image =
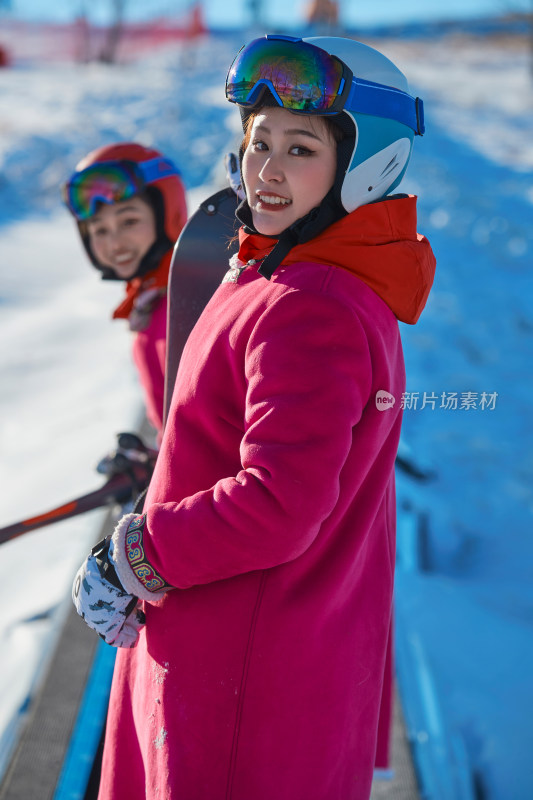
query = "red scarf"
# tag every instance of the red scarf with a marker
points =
(156, 279)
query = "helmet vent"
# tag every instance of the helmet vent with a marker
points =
(389, 169)
(391, 166)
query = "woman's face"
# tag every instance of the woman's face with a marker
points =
(288, 167)
(121, 234)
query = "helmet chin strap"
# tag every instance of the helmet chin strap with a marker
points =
(304, 229)
(149, 261)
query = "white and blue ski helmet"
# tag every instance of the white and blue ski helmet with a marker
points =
(373, 107)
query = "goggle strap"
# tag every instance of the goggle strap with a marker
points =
(156, 168)
(376, 100)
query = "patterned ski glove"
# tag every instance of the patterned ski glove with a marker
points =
(115, 575)
(101, 600)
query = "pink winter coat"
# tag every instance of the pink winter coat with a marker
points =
(272, 510)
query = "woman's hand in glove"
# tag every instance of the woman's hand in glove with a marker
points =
(102, 601)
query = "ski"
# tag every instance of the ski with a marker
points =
(199, 263)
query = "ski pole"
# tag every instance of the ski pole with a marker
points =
(118, 489)
(128, 470)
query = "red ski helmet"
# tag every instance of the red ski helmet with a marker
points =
(165, 193)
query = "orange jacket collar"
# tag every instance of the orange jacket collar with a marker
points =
(378, 243)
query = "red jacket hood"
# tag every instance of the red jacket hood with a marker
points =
(379, 244)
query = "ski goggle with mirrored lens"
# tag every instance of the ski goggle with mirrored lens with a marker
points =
(112, 182)
(306, 79)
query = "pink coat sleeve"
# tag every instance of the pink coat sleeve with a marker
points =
(308, 376)
(149, 354)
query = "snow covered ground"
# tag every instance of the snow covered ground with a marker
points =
(67, 384)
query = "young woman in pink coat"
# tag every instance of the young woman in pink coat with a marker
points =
(253, 597)
(129, 203)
